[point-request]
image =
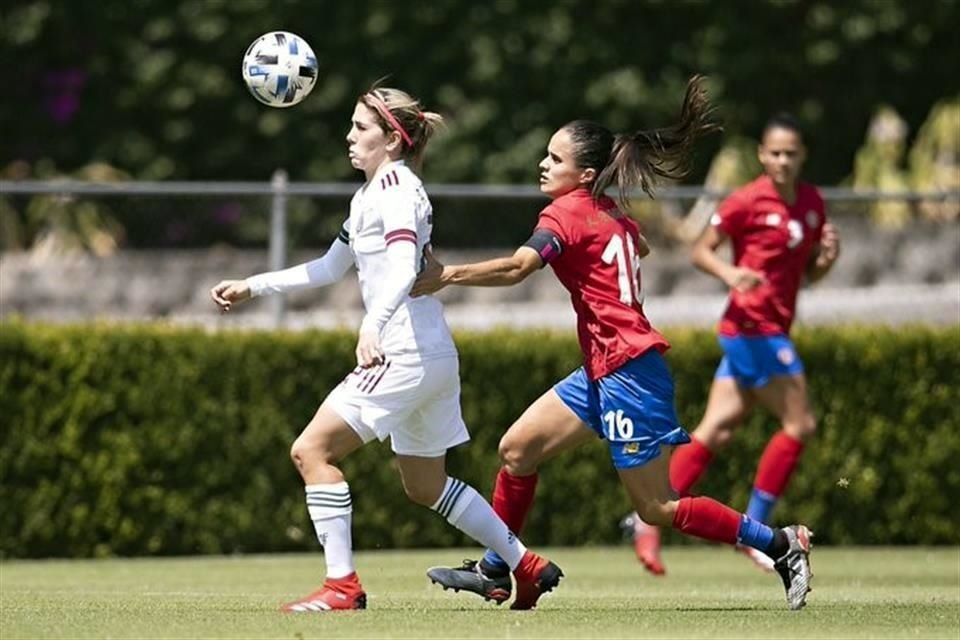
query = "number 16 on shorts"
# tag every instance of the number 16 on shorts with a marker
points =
(618, 426)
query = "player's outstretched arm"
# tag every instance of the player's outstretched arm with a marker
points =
(317, 273)
(329, 268)
(499, 272)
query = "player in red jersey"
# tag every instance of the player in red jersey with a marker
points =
(780, 235)
(623, 393)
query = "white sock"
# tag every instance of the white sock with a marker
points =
(466, 509)
(331, 509)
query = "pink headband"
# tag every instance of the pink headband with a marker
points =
(382, 109)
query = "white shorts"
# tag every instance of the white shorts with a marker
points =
(416, 404)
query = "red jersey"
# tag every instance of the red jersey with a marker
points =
(598, 264)
(773, 238)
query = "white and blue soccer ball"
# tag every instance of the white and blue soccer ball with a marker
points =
(280, 69)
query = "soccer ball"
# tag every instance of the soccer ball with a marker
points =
(280, 69)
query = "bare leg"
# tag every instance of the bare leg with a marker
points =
(727, 405)
(325, 441)
(785, 397)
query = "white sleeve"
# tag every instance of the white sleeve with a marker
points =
(316, 273)
(402, 260)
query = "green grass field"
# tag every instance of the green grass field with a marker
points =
(709, 593)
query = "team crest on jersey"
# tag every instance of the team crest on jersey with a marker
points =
(785, 356)
(631, 448)
(813, 219)
(773, 219)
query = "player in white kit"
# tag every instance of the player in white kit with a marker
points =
(406, 385)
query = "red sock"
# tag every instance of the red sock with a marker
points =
(513, 497)
(708, 519)
(687, 465)
(529, 567)
(777, 463)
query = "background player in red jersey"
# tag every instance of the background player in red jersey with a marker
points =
(778, 228)
(624, 392)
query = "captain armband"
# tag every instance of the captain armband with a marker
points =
(546, 244)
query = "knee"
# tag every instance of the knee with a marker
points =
(715, 437)
(518, 457)
(304, 453)
(801, 429)
(657, 513)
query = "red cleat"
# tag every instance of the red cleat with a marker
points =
(535, 577)
(646, 544)
(339, 594)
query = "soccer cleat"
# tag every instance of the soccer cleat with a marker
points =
(340, 594)
(470, 577)
(535, 577)
(794, 566)
(646, 543)
(761, 560)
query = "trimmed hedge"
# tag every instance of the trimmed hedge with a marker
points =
(152, 440)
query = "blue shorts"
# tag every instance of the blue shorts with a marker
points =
(631, 408)
(753, 360)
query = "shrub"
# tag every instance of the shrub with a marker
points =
(140, 440)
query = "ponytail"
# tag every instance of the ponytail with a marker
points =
(642, 157)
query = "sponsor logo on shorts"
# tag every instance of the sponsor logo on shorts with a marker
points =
(786, 355)
(631, 448)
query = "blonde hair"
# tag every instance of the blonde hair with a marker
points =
(416, 126)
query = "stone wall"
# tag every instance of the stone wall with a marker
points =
(883, 275)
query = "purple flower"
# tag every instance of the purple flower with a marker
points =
(61, 93)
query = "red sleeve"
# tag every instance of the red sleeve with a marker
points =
(731, 215)
(554, 220)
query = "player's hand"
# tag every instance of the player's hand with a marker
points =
(229, 292)
(829, 247)
(369, 352)
(430, 280)
(742, 279)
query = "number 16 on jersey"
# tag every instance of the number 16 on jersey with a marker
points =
(628, 268)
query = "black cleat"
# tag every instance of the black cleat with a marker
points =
(470, 577)
(794, 566)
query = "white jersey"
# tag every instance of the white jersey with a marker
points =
(393, 207)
